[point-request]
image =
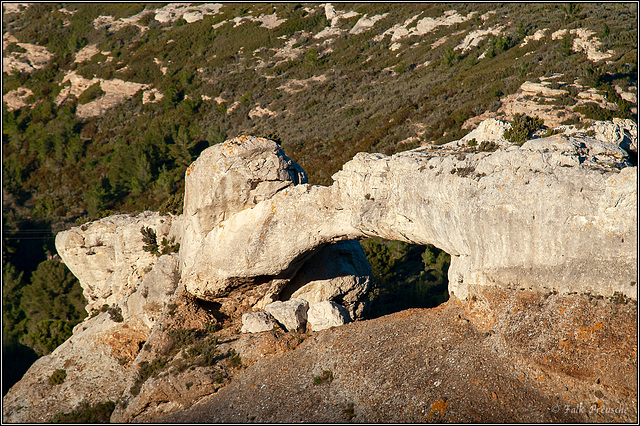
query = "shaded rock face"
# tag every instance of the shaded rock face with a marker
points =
(337, 272)
(556, 214)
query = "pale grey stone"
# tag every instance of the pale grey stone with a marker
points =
(257, 322)
(236, 176)
(554, 214)
(108, 257)
(292, 314)
(327, 314)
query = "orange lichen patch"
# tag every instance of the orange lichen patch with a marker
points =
(439, 407)
(190, 168)
(125, 343)
(585, 332)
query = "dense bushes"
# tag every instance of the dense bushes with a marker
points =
(87, 413)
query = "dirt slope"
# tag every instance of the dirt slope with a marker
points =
(507, 356)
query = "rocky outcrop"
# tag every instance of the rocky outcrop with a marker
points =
(557, 214)
(99, 359)
(108, 257)
(235, 177)
(620, 132)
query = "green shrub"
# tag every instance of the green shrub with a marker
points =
(522, 127)
(233, 359)
(183, 337)
(325, 377)
(146, 370)
(150, 240)
(115, 313)
(86, 413)
(57, 377)
(93, 92)
(488, 146)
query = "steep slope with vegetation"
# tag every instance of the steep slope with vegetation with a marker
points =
(106, 105)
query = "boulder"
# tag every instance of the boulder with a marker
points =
(490, 130)
(257, 322)
(292, 314)
(327, 314)
(225, 179)
(339, 272)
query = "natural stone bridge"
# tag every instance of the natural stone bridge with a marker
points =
(556, 214)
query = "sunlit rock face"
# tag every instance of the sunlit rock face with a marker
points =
(554, 214)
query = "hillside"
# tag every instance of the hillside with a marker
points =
(106, 105)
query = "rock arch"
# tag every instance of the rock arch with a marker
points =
(556, 214)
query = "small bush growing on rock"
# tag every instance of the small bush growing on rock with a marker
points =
(488, 146)
(86, 413)
(57, 377)
(172, 308)
(146, 370)
(169, 246)
(184, 336)
(349, 412)
(522, 127)
(234, 359)
(115, 313)
(325, 377)
(149, 239)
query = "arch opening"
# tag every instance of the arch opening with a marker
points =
(405, 276)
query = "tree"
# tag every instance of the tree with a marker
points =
(53, 304)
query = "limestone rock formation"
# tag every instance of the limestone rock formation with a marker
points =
(556, 214)
(292, 314)
(257, 322)
(490, 130)
(99, 358)
(327, 314)
(620, 132)
(233, 177)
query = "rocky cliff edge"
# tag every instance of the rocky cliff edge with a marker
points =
(554, 219)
